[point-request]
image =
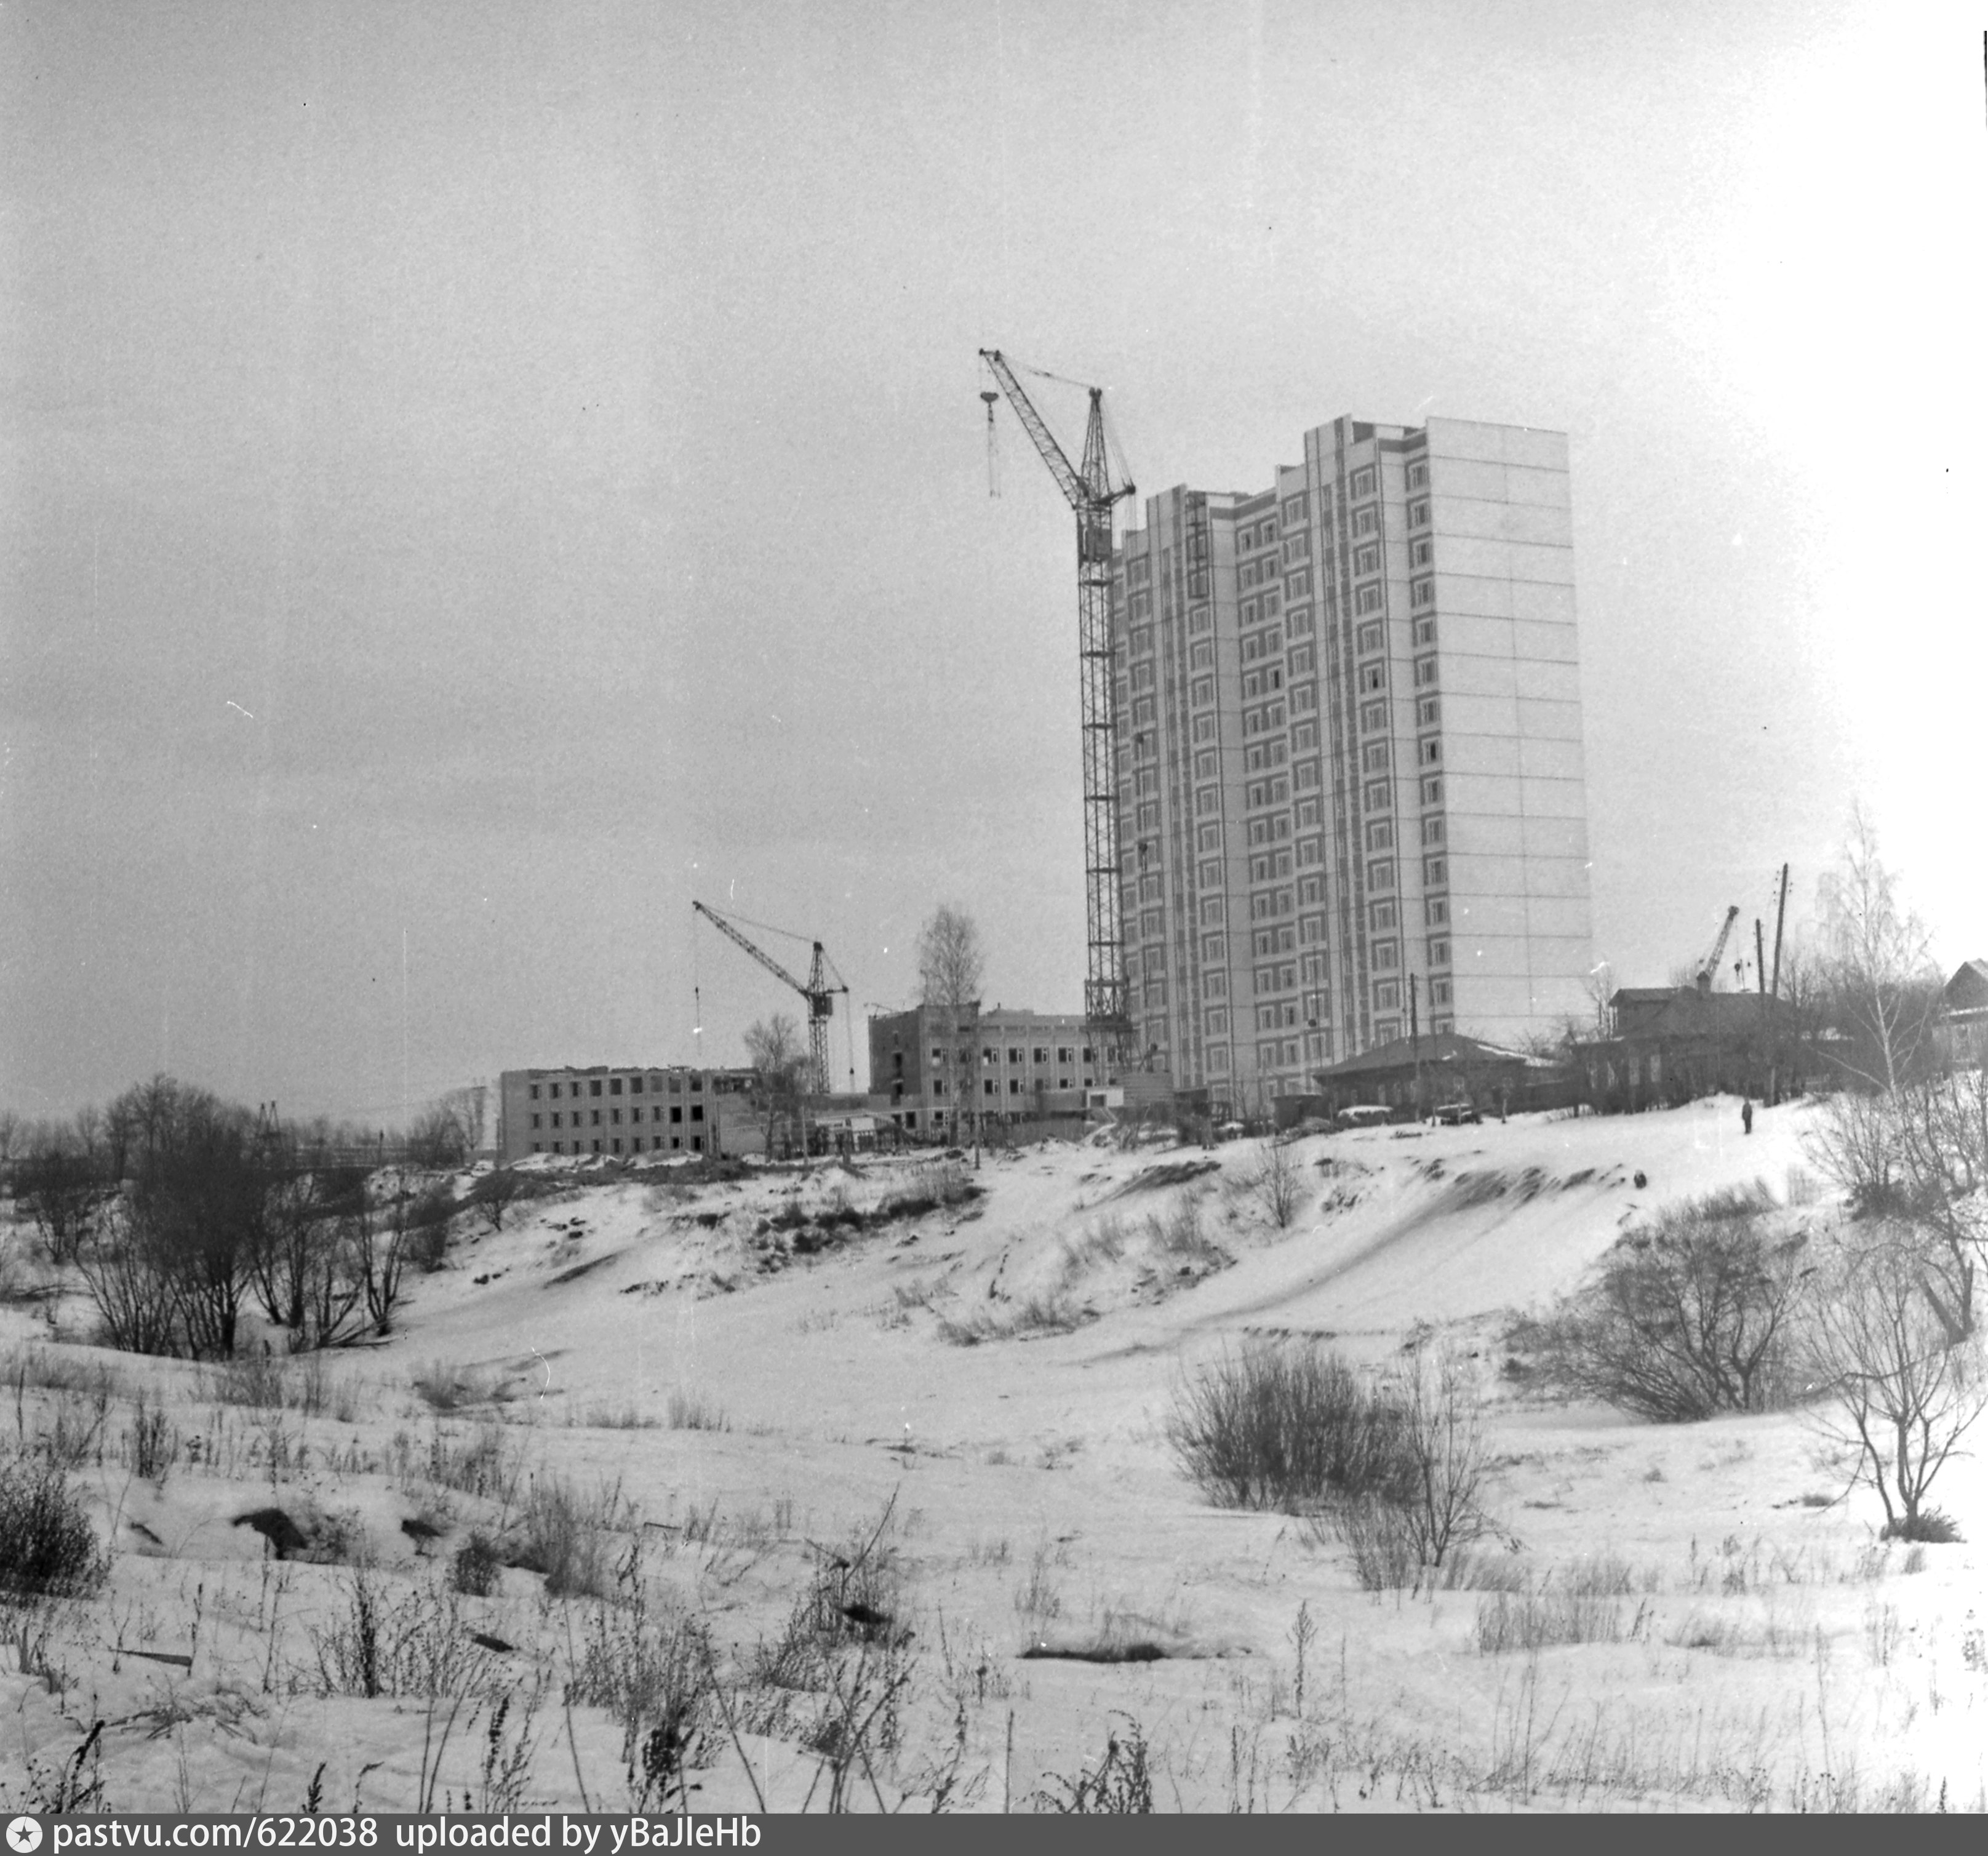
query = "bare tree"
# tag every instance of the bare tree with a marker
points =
(1877, 964)
(952, 966)
(58, 1187)
(306, 1270)
(1441, 1441)
(1276, 1182)
(197, 1211)
(439, 1137)
(1904, 1397)
(780, 1065)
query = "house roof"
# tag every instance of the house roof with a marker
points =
(1968, 986)
(1691, 1013)
(1444, 1049)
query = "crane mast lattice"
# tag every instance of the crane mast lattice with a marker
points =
(1088, 490)
(820, 994)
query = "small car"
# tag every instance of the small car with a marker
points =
(1455, 1114)
(1364, 1115)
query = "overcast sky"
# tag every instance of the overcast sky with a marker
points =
(478, 475)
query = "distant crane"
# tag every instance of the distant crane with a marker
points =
(1088, 490)
(820, 994)
(1708, 969)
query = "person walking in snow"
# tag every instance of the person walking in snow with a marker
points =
(1746, 1115)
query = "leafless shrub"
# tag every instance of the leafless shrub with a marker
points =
(488, 1462)
(1286, 1427)
(1275, 1182)
(566, 1534)
(48, 1546)
(652, 1670)
(413, 1643)
(689, 1411)
(1539, 1621)
(1696, 1314)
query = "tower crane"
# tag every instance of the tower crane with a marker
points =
(1088, 490)
(1708, 969)
(820, 994)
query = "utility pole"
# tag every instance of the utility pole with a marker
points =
(1415, 1036)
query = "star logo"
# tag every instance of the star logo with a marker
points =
(24, 1836)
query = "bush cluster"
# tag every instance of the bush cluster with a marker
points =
(1287, 1427)
(1695, 1313)
(48, 1547)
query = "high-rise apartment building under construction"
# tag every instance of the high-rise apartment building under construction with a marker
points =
(1351, 777)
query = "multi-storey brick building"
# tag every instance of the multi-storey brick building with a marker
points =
(610, 1110)
(1016, 1065)
(1351, 776)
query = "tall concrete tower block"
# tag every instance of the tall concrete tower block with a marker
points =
(1351, 787)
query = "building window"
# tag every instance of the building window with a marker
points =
(1367, 559)
(614, 1115)
(1432, 829)
(1419, 513)
(1434, 870)
(594, 1087)
(1202, 691)
(1433, 789)
(1417, 476)
(555, 1089)
(614, 1086)
(1373, 715)
(1370, 638)
(1422, 593)
(1386, 995)
(1383, 917)
(1381, 874)
(1380, 834)
(1368, 599)
(1373, 679)
(535, 1092)
(1386, 955)
(1429, 752)
(1421, 553)
(535, 1120)
(1040, 1053)
(1439, 950)
(1425, 671)
(1425, 632)
(1373, 757)
(1377, 794)
(1361, 482)
(1366, 522)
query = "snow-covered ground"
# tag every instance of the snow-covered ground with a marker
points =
(756, 1377)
